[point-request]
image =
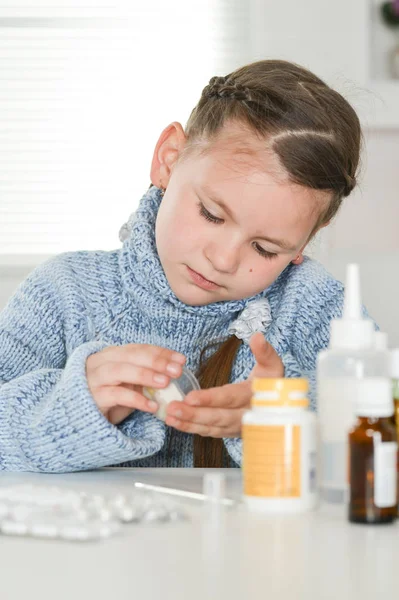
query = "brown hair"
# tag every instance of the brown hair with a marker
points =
(316, 136)
(214, 371)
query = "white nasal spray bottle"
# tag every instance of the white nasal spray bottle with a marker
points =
(351, 366)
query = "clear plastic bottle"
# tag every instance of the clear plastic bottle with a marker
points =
(381, 341)
(279, 447)
(176, 390)
(372, 457)
(350, 357)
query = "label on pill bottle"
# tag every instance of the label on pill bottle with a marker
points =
(272, 460)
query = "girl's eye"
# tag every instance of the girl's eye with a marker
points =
(263, 252)
(212, 219)
(209, 216)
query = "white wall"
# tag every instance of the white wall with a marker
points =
(10, 277)
(337, 41)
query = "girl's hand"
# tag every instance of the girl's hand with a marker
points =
(117, 374)
(217, 412)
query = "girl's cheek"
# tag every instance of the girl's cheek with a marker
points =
(264, 271)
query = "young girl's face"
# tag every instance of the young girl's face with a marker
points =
(230, 222)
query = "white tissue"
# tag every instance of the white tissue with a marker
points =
(255, 317)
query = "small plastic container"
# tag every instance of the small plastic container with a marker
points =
(176, 391)
(279, 448)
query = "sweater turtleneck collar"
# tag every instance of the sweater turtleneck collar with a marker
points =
(142, 272)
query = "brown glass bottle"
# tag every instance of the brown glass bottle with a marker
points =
(368, 500)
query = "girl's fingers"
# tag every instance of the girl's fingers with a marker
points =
(112, 371)
(268, 362)
(205, 430)
(231, 395)
(116, 373)
(120, 396)
(214, 417)
(159, 359)
(205, 421)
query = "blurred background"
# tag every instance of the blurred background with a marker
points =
(86, 90)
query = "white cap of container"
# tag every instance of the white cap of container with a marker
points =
(214, 486)
(373, 397)
(395, 363)
(380, 340)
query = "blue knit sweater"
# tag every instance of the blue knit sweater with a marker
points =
(80, 302)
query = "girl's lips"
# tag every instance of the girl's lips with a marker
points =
(201, 281)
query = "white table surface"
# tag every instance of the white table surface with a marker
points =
(229, 554)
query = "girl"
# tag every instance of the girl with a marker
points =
(264, 162)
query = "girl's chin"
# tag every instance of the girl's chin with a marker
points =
(194, 299)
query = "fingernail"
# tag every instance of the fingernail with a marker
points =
(152, 405)
(177, 413)
(179, 358)
(173, 369)
(162, 379)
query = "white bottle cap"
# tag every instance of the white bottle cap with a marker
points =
(395, 363)
(374, 397)
(380, 340)
(352, 331)
(214, 486)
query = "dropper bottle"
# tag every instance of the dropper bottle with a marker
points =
(350, 363)
(373, 452)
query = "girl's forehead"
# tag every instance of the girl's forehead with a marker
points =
(236, 140)
(242, 163)
(241, 152)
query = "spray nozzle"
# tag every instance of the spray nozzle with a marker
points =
(352, 331)
(352, 299)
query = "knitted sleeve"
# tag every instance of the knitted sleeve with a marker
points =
(49, 421)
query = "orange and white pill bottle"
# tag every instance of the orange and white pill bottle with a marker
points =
(279, 447)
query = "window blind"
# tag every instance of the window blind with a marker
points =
(85, 91)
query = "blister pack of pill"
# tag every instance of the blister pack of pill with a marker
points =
(61, 513)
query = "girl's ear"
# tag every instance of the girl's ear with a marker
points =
(298, 260)
(169, 146)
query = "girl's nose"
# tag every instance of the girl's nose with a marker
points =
(224, 259)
